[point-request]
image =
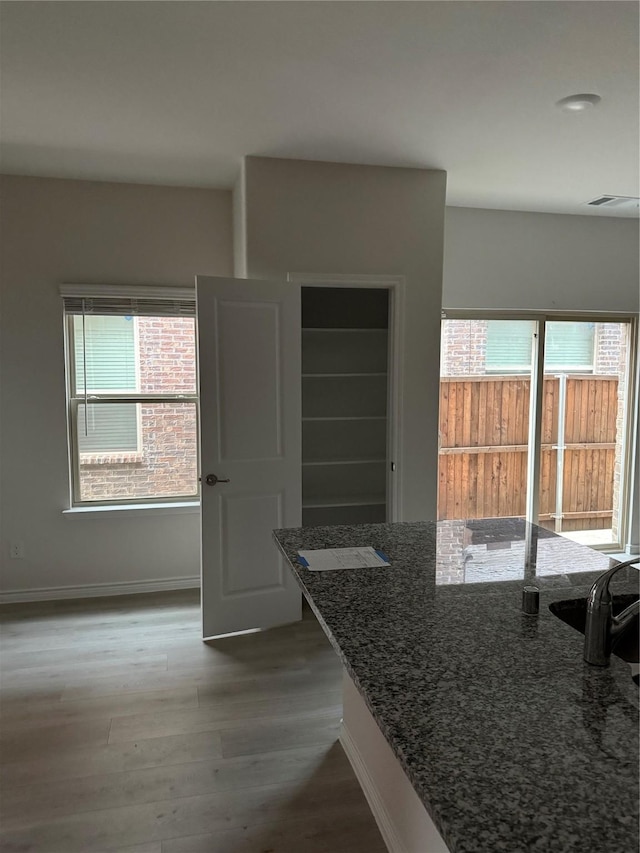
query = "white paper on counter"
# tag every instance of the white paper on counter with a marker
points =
(330, 559)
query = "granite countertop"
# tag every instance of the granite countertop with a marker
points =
(511, 741)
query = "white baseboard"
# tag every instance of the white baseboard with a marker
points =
(96, 590)
(376, 803)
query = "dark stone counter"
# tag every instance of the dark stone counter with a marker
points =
(510, 740)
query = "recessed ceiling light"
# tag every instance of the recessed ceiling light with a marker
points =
(578, 103)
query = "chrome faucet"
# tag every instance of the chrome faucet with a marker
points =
(601, 625)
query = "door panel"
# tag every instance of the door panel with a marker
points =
(249, 359)
(586, 364)
(248, 336)
(485, 381)
(241, 553)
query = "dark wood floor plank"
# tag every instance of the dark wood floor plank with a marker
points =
(269, 736)
(351, 833)
(15, 717)
(54, 677)
(50, 741)
(42, 801)
(218, 678)
(222, 715)
(139, 824)
(112, 758)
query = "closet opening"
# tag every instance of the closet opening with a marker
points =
(345, 404)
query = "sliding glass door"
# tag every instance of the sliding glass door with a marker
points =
(583, 439)
(485, 380)
(491, 435)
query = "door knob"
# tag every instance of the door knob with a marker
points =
(212, 480)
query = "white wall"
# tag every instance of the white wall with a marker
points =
(550, 262)
(56, 231)
(310, 217)
(306, 217)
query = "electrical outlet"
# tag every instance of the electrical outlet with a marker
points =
(16, 550)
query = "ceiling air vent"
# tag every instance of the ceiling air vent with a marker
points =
(619, 201)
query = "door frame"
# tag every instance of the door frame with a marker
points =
(630, 439)
(395, 284)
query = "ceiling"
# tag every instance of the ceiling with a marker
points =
(178, 92)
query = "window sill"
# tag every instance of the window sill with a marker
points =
(131, 510)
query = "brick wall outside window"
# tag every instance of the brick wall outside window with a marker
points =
(611, 358)
(464, 348)
(610, 349)
(452, 538)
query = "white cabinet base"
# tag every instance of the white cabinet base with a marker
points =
(402, 819)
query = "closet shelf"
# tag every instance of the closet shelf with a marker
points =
(348, 500)
(339, 375)
(349, 418)
(343, 461)
(334, 330)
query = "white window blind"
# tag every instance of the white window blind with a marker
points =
(569, 346)
(509, 345)
(104, 347)
(108, 429)
(123, 306)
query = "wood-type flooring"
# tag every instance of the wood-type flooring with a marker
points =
(120, 730)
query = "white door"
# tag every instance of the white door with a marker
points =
(250, 436)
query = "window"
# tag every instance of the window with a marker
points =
(132, 399)
(509, 346)
(569, 347)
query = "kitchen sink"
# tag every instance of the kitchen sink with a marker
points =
(573, 612)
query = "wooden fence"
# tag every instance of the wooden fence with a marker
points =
(484, 423)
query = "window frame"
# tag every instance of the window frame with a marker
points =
(74, 399)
